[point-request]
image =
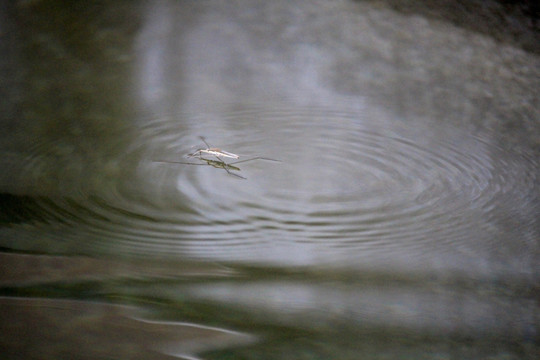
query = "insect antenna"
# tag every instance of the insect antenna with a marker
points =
(204, 141)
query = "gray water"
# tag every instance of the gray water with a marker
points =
(400, 219)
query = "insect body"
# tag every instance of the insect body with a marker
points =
(213, 151)
(219, 163)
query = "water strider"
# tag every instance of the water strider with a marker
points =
(219, 163)
(212, 151)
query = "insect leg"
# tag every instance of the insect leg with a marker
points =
(255, 158)
(176, 162)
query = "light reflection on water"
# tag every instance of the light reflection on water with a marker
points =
(92, 330)
(415, 307)
(401, 221)
(353, 188)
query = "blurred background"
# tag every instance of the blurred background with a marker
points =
(384, 204)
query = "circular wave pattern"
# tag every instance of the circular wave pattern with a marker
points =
(350, 189)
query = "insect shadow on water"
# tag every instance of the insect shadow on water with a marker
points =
(219, 163)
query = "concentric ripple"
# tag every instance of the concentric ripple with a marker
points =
(351, 188)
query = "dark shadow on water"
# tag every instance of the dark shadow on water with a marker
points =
(515, 23)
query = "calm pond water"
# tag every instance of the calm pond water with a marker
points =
(384, 203)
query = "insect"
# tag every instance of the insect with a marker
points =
(219, 163)
(212, 151)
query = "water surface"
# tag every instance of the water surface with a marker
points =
(401, 220)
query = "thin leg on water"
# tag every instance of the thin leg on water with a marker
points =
(176, 162)
(224, 167)
(233, 174)
(255, 158)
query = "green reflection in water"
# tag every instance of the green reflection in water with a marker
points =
(162, 290)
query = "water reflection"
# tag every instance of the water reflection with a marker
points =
(89, 330)
(373, 194)
(418, 308)
(408, 148)
(362, 183)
